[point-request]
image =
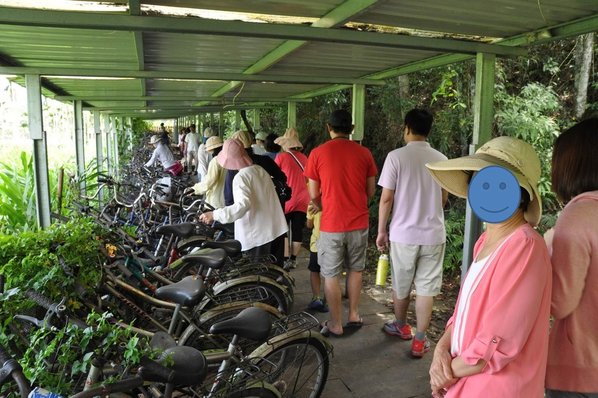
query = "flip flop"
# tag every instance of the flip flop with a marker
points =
(326, 332)
(354, 324)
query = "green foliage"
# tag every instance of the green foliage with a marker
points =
(17, 196)
(454, 222)
(32, 260)
(59, 358)
(531, 116)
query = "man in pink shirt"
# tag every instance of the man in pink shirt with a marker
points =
(417, 235)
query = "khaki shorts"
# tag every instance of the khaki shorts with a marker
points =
(416, 264)
(342, 249)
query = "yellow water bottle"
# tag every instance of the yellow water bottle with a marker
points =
(382, 270)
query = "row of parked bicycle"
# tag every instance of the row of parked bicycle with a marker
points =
(222, 324)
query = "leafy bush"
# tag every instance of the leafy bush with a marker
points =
(531, 116)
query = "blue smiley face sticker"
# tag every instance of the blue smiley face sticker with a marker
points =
(494, 194)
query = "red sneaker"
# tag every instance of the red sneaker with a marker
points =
(419, 347)
(392, 328)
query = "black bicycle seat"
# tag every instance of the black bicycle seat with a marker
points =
(187, 292)
(231, 247)
(213, 259)
(182, 230)
(252, 323)
(187, 366)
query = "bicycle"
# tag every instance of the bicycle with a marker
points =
(276, 369)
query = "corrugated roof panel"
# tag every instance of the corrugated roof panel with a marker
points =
(299, 8)
(343, 60)
(95, 87)
(157, 87)
(254, 90)
(207, 53)
(68, 48)
(494, 18)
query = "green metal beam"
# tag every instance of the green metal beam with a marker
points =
(199, 76)
(335, 17)
(175, 98)
(321, 91)
(582, 26)
(134, 23)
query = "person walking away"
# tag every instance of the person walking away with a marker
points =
(317, 303)
(292, 163)
(163, 154)
(417, 235)
(573, 344)
(213, 184)
(341, 177)
(270, 146)
(496, 343)
(182, 133)
(203, 157)
(277, 247)
(258, 147)
(258, 218)
(192, 145)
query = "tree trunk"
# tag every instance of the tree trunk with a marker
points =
(246, 121)
(583, 61)
(403, 91)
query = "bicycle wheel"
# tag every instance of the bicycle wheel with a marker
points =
(254, 392)
(298, 368)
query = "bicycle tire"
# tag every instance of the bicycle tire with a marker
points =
(298, 366)
(254, 392)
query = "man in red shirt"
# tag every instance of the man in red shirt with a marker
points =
(341, 177)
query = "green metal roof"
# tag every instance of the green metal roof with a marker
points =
(171, 58)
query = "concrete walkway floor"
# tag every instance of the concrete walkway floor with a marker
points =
(367, 362)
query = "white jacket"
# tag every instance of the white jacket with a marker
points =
(256, 212)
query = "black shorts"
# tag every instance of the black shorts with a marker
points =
(313, 265)
(297, 219)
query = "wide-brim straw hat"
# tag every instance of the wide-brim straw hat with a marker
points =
(244, 137)
(233, 156)
(288, 143)
(213, 143)
(155, 139)
(516, 155)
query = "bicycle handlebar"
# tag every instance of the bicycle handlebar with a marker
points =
(11, 367)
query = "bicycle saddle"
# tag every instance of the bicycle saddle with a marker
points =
(213, 259)
(187, 292)
(182, 230)
(231, 247)
(188, 367)
(252, 323)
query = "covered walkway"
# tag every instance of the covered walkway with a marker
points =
(367, 362)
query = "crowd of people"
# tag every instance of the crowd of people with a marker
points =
(523, 324)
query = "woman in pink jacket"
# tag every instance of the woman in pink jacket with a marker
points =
(496, 342)
(573, 349)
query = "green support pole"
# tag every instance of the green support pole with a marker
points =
(40, 152)
(358, 111)
(99, 149)
(107, 139)
(130, 133)
(291, 114)
(79, 142)
(116, 128)
(483, 117)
